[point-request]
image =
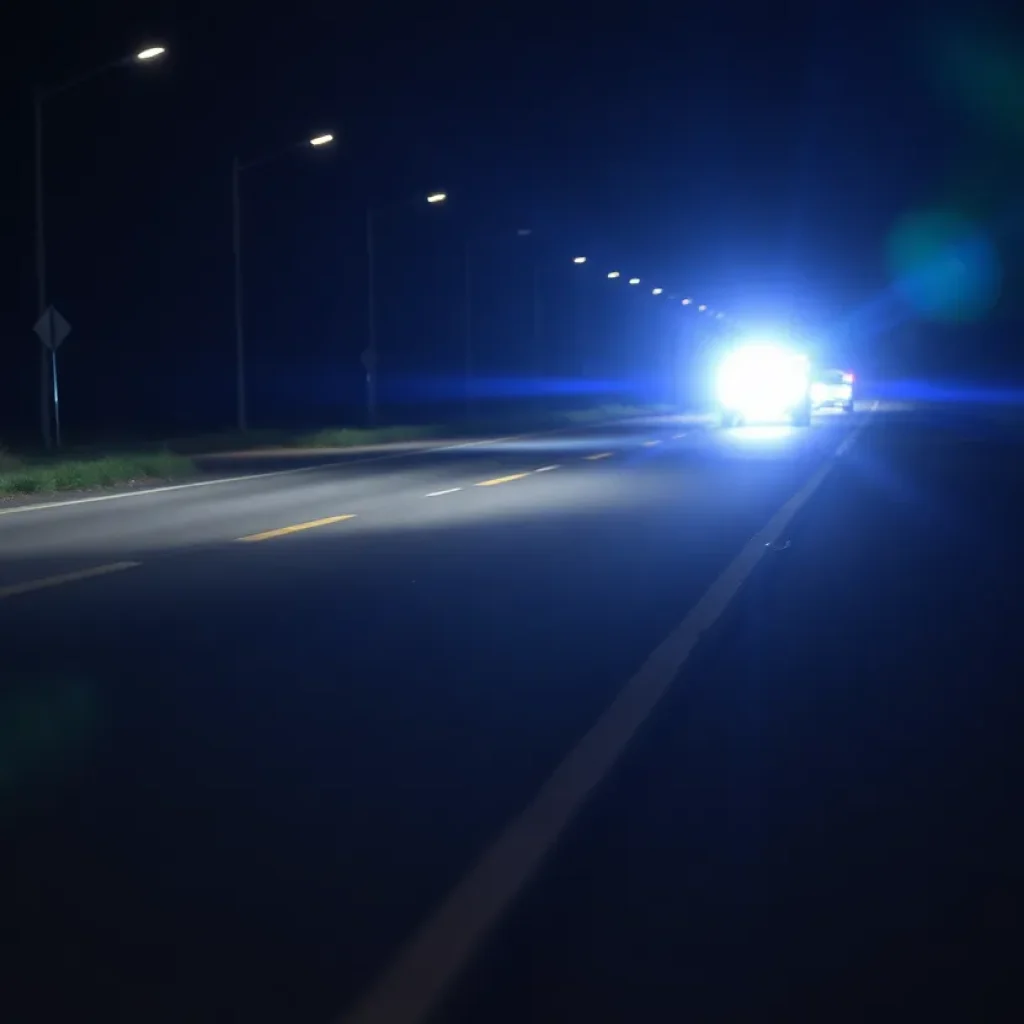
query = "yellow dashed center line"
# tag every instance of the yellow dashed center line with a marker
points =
(599, 455)
(14, 589)
(502, 480)
(283, 531)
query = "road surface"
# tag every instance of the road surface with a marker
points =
(434, 731)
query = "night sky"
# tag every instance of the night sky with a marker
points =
(766, 159)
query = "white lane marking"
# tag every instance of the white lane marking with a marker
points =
(651, 444)
(424, 969)
(545, 469)
(675, 437)
(16, 589)
(300, 469)
(437, 494)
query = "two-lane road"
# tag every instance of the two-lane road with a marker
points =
(266, 493)
(277, 720)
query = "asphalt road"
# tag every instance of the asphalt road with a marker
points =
(259, 734)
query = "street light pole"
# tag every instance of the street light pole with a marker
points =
(47, 376)
(44, 363)
(237, 166)
(370, 355)
(468, 338)
(236, 241)
(370, 361)
(537, 350)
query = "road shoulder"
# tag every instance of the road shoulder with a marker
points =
(820, 820)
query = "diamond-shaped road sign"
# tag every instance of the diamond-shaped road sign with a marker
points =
(52, 328)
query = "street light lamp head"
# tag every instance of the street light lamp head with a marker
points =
(702, 308)
(634, 280)
(150, 53)
(579, 259)
(321, 140)
(686, 302)
(656, 291)
(613, 273)
(437, 197)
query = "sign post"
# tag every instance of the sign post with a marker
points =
(51, 329)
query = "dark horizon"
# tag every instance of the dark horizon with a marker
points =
(761, 166)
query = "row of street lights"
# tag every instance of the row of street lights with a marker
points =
(701, 307)
(370, 355)
(47, 374)
(468, 341)
(48, 379)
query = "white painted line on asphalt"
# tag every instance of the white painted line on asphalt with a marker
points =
(298, 469)
(675, 437)
(16, 589)
(651, 444)
(545, 469)
(154, 490)
(417, 978)
(437, 494)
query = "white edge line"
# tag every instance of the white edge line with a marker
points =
(46, 582)
(545, 469)
(437, 494)
(299, 469)
(424, 969)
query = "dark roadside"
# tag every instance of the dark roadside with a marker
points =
(122, 466)
(822, 820)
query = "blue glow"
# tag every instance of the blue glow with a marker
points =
(932, 391)
(945, 267)
(445, 388)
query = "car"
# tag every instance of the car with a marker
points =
(833, 389)
(764, 383)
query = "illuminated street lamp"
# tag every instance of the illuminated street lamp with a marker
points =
(47, 377)
(656, 291)
(687, 302)
(579, 259)
(470, 247)
(237, 166)
(634, 280)
(614, 273)
(702, 308)
(370, 355)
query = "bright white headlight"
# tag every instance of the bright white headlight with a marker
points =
(764, 377)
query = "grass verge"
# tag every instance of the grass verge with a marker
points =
(18, 477)
(88, 472)
(350, 437)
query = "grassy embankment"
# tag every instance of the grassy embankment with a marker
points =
(175, 459)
